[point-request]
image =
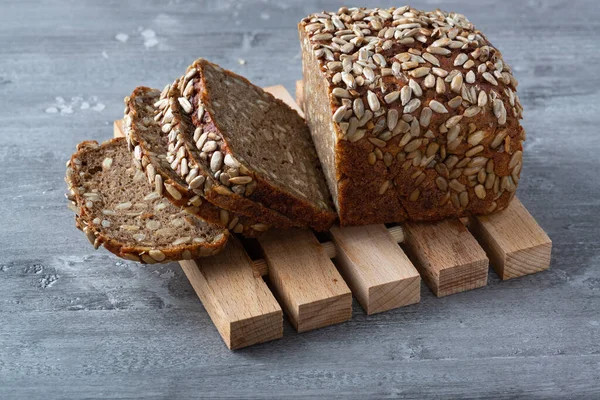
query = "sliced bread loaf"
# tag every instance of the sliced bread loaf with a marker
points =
(221, 188)
(263, 139)
(147, 123)
(118, 208)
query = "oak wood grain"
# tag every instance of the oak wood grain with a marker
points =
(513, 240)
(305, 281)
(447, 256)
(379, 273)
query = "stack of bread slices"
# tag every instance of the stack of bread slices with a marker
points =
(208, 155)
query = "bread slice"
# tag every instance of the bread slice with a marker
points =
(263, 139)
(118, 208)
(186, 159)
(149, 145)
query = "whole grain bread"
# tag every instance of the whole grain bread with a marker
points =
(263, 140)
(146, 116)
(116, 207)
(414, 114)
(186, 161)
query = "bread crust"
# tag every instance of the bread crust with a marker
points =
(304, 213)
(97, 236)
(136, 122)
(443, 137)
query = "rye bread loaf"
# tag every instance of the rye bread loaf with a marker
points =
(117, 207)
(414, 114)
(186, 161)
(260, 137)
(145, 118)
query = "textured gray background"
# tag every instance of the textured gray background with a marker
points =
(75, 323)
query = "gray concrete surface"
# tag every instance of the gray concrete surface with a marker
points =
(75, 323)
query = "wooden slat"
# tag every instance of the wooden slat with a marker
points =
(300, 94)
(118, 128)
(513, 240)
(239, 304)
(305, 281)
(379, 273)
(281, 93)
(262, 269)
(447, 256)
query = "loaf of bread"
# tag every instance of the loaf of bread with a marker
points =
(118, 208)
(414, 114)
(146, 117)
(260, 144)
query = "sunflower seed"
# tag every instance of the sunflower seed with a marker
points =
(373, 101)
(470, 77)
(172, 190)
(416, 88)
(437, 107)
(356, 135)
(90, 235)
(420, 72)
(185, 104)
(490, 78)
(475, 138)
(472, 111)
(460, 59)
(412, 105)
(240, 180)
(182, 240)
(441, 183)
(431, 58)
(197, 182)
(392, 96)
(442, 73)
(384, 187)
(200, 112)
(456, 185)
(342, 93)
(480, 191)
(453, 121)
(456, 83)
(413, 145)
(498, 139)
(474, 150)
(157, 255)
(414, 196)
(123, 206)
(429, 81)
(515, 159)
(425, 118)
(440, 86)
(209, 146)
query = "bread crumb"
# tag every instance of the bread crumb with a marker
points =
(122, 37)
(241, 61)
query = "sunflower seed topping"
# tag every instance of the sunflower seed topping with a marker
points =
(437, 107)
(373, 101)
(440, 52)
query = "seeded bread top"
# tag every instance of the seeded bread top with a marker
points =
(186, 160)
(418, 92)
(147, 125)
(264, 140)
(117, 207)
